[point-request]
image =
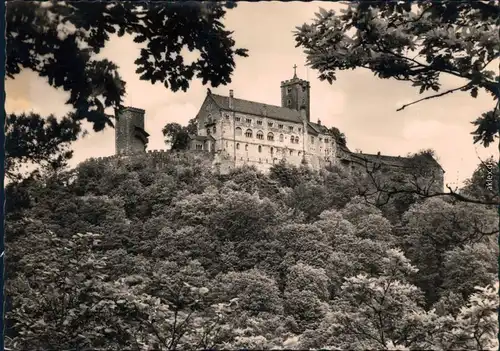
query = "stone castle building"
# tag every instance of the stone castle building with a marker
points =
(238, 132)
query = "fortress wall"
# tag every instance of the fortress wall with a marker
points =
(223, 162)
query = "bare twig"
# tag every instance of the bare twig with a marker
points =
(416, 190)
(434, 96)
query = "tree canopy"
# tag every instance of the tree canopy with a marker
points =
(177, 136)
(33, 139)
(123, 255)
(414, 42)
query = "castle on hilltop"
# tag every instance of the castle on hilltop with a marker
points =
(241, 132)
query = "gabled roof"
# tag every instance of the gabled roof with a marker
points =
(319, 128)
(311, 130)
(202, 137)
(258, 109)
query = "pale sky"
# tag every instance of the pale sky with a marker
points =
(359, 104)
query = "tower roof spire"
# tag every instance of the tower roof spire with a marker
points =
(294, 71)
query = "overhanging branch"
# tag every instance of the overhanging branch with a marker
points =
(434, 96)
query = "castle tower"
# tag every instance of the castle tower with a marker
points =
(295, 94)
(130, 136)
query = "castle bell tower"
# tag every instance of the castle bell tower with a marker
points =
(295, 94)
(130, 136)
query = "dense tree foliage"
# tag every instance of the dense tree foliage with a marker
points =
(177, 136)
(339, 136)
(31, 139)
(59, 41)
(417, 43)
(484, 183)
(123, 255)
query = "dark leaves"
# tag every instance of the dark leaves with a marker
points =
(473, 92)
(178, 136)
(409, 42)
(38, 140)
(65, 57)
(488, 127)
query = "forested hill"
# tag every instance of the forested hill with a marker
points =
(129, 257)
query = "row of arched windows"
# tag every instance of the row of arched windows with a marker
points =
(271, 150)
(260, 135)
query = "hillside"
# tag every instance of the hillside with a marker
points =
(127, 256)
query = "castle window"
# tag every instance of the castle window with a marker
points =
(326, 141)
(288, 102)
(300, 130)
(248, 120)
(270, 124)
(246, 147)
(270, 136)
(249, 133)
(259, 123)
(320, 140)
(304, 88)
(290, 128)
(214, 129)
(280, 126)
(238, 131)
(208, 131)
(312, 139)
(299, 153)
(237, 146)
(292, 139)
(291, 152)
(272, 151)
(260, 148)
(260, 135)
(296, 140)
(237, 119)
(281, 137)
(288, 90)
(199, 147)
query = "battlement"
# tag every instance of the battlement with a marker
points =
(157, 158)
(134, 109)
(293, 81)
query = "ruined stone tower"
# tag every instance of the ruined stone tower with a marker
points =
(130, 136)
(295, 94)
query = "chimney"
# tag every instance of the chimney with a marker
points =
(231, 96)
(319, 121)
(378, 153)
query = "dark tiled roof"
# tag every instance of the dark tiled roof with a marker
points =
(319, 128)
(202, 137)
(389, 160)
(141, 131)
(258, 109)
(344, 149)
(311, 130)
